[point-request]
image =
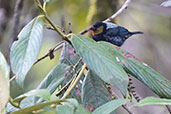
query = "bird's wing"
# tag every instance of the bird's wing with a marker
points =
(123, 32)
(112, 35)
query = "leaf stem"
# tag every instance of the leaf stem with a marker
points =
(64, 37)
(13, 103)
(74, 83)
(43, 9)
(44, 6)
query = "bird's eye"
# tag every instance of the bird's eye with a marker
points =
(99, 30)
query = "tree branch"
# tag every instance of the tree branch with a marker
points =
(124, 6)
(50, 53)
(74, 82)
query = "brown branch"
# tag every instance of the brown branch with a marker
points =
(50, 53)
(124, 6)
(85, 31)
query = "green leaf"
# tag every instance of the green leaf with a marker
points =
(4, 82)
(49, 0)
(81, 110)
(64, 109)
(43, 93)
(94, 91)
(110, 106)
(101, 61)
(132, 65)
(71, 106)
(54, 78)
(29, 110)
(68, 107)
(153, 101)
(25, 50)
(50, 109)
(166, 3)
(70, 57)
(73, 101)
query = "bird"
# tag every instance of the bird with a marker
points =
(110, 32)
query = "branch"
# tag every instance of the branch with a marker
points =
(50, 53)
(124, 6)
(74, 82)
(84, 31)
(73, 78)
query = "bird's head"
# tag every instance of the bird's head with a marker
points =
(98, 28)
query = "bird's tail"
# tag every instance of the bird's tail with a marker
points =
(137, 32)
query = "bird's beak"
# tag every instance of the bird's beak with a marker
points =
(92, 28)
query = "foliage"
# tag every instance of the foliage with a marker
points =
(4, 82)
(25, 50)
(153, 101)
(85, 69)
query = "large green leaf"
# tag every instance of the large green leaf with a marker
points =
(4, 82)
(158, 84)
(49, 0)
(153, 101)
(54, 78)
(110, 106)
(101, 61)
(25, 50)
(43, 93)
(64, 109)
(94, 91)
(81, 110)
(71, 106)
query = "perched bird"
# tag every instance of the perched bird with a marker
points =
(109, 32)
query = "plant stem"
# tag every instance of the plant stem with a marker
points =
(53, 49)
(74, 83)
(64, 37)
(13, 103)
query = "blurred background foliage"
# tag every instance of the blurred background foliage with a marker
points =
(153, 47)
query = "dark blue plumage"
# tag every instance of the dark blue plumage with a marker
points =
(112, 33)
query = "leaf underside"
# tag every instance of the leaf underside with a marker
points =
(132, 65)
(100, 61)
(25, 50)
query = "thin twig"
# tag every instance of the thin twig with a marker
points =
(124, 6)
(74, 83)
(85, 31)
(55, 28)
(73, 78)
(127, 109)
(13, 78)
(50, 53)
